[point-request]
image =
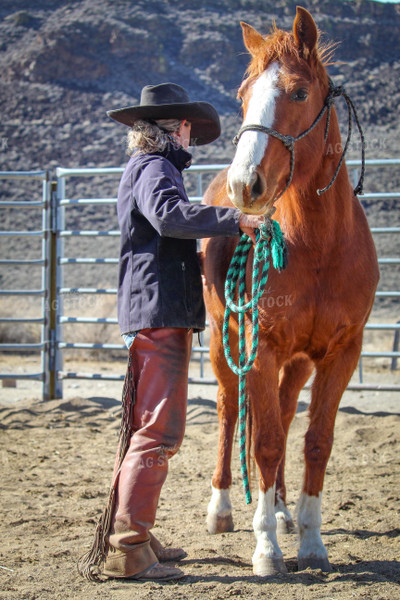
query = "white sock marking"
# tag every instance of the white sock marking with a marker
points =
(309, 523)
(282, 513)
(220, 504)
(264, 524)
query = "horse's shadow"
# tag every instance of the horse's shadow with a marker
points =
(364, 572)
(351, 410)
(364, 533)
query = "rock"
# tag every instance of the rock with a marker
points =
(63, 66)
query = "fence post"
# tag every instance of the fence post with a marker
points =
(393, 365)
(53, 387)
(51, 299)
(46, 244)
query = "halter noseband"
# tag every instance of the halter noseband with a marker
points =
(289, 141)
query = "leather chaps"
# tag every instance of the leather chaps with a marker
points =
(159, 363)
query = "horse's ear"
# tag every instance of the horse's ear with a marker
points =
(252, 39)
(305, 31)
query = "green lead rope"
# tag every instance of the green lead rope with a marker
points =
(269, 241)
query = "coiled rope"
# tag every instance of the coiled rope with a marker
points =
(269, 242)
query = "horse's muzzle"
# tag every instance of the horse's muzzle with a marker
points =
(249, 193)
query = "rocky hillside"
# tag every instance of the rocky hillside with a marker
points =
(64, 63)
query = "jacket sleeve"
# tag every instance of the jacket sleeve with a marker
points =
(158, 198)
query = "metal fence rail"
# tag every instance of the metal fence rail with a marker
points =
(197, 171)
(54, 234)
(42, 347)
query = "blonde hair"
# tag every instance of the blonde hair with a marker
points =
(147, 137)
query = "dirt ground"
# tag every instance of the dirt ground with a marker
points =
(56, 461)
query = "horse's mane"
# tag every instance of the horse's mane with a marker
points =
(280, 45)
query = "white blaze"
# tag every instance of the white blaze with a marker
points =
(252, 144)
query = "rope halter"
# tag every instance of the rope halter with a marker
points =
(289, 141)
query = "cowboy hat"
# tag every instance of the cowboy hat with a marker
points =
(171, 101)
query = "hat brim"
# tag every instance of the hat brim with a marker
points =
(204, 118)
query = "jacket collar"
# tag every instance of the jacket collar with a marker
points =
(178, 156)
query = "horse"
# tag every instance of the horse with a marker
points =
(312, 315)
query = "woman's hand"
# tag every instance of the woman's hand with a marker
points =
(248, 223)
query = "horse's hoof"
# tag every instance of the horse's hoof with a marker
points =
(216, 524)
(284, 526)
(314, 562)
(265, 566)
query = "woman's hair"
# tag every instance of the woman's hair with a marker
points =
(146, 137)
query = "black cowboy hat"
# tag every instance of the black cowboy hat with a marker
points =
(171, 101)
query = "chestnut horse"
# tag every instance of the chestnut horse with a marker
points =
(312, 314)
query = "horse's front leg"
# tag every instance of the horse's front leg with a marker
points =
(269, 444)
(294, 375)
(332, 377)
(219, 515)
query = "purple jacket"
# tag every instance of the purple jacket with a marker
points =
(159, 281)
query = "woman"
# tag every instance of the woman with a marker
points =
(160, 304)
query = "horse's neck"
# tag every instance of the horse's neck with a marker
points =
(319, 222)
(316, 221)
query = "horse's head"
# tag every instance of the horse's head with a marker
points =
(283, 94)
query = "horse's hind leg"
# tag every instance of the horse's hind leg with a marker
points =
(219, 515)
(294, 375)
(332, 377)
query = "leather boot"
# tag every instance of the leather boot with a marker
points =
(160, 361)
(163, 553)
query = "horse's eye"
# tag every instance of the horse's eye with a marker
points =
(299, 95)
